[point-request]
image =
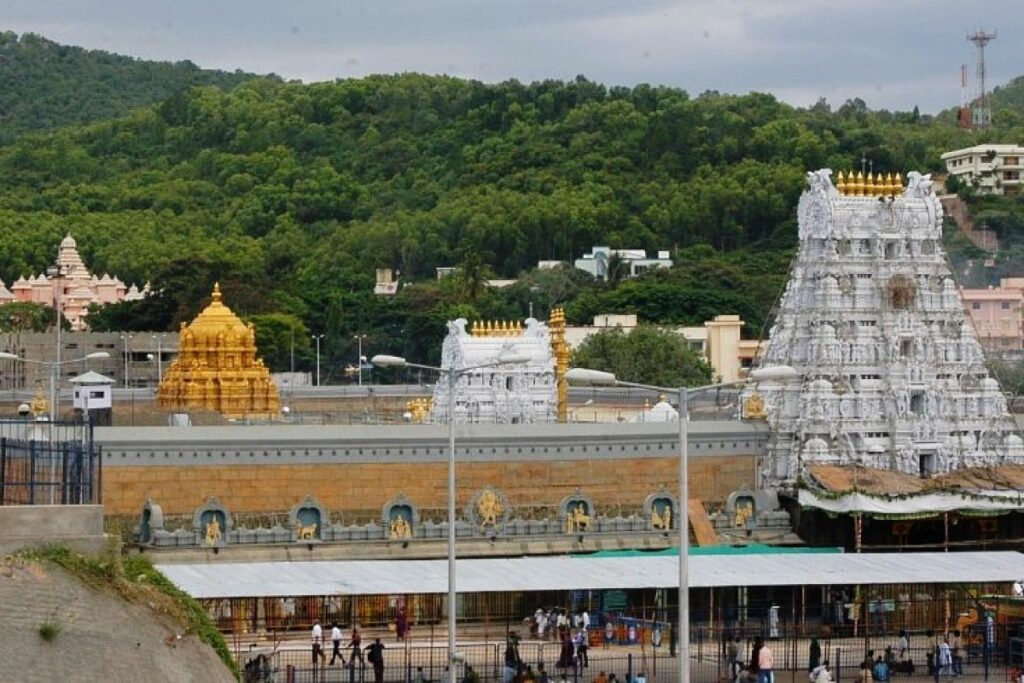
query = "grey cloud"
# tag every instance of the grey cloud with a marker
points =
(892, 54)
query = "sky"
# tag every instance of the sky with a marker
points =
(893, 54)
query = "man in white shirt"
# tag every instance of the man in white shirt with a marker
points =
(318, 643)
(585, 619)
(336, 642)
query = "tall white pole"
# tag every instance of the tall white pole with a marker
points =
(317, 338)
(359, 360)
(452, 596)
(127, 342)
(684, 541)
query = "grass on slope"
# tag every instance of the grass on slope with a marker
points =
(135, 579)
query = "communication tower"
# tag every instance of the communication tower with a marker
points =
(981, 113)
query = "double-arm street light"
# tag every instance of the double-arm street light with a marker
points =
(453, 375)
(586, 377)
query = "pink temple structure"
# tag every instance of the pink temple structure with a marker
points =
(73, 287)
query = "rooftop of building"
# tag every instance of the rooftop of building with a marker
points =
(1002, 147)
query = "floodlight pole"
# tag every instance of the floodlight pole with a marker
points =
(592, 377)
(684, 538)
(453, 375)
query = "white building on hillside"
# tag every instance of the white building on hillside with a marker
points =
(634, 260)
(991, 168)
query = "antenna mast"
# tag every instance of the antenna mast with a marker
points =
(982, 113)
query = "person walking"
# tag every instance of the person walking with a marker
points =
(957, 654)
(765, 665)
(401, 624)
(356, 644)
(814, 656)
(336, 643)
(943, 661)
(375, 655)
(732, 653)
(582, 647)
(317, 637)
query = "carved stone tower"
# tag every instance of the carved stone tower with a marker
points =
(520, 392)
(892, 376)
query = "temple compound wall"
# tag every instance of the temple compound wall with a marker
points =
(355, 470)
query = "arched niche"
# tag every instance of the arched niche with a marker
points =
(577, 513)
(306, 520)
(400, 517)
(660, 511)
(152, 520)
(211, 523)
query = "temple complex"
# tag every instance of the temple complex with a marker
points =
(531, 389)
(217, 368)
(71, 287)
(892, 377)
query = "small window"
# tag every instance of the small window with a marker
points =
(975, 306)
(1006, 305)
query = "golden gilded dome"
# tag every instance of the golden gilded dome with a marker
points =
(217, 367)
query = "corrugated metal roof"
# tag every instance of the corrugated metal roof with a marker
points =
(383, 577)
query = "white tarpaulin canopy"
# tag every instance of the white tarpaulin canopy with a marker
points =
(944, 501)
(394, 577)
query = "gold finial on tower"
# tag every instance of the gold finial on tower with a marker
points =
(216, 291)
(897, 185)
(869, 185)
(841, 183)
(858, 185)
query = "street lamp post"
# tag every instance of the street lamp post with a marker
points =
(317, 338)
(453, 375)
(360, 360)
(54, 368)
(159, 358)
(127, 339)
(586, 377)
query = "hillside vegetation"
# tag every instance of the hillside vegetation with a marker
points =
(45, 85)
(292, 194)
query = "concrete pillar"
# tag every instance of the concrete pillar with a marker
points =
(723, 346)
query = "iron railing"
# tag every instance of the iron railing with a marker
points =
(44, 463)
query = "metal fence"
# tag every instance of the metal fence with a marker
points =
(43, 463)
(413, 663)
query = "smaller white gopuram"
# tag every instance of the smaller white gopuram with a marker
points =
(511, 393)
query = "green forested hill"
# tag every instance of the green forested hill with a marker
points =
(292, 194)
(45, 85)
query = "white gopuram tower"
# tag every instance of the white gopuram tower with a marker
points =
(891, 374)
(521, 392)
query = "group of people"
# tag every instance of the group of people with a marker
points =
(554, 622)
(374, 652)
(759, 668)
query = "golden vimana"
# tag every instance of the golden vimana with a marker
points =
(218, 368)
(870, 185)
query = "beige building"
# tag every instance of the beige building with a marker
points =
(137, 359)
(718, 340)
(991, 168)
(997, 314)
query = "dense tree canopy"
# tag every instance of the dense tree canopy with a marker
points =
(291, 195)
(648, 355)
(45, 85)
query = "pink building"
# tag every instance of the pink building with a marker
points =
(997, 314)
(72, 286)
